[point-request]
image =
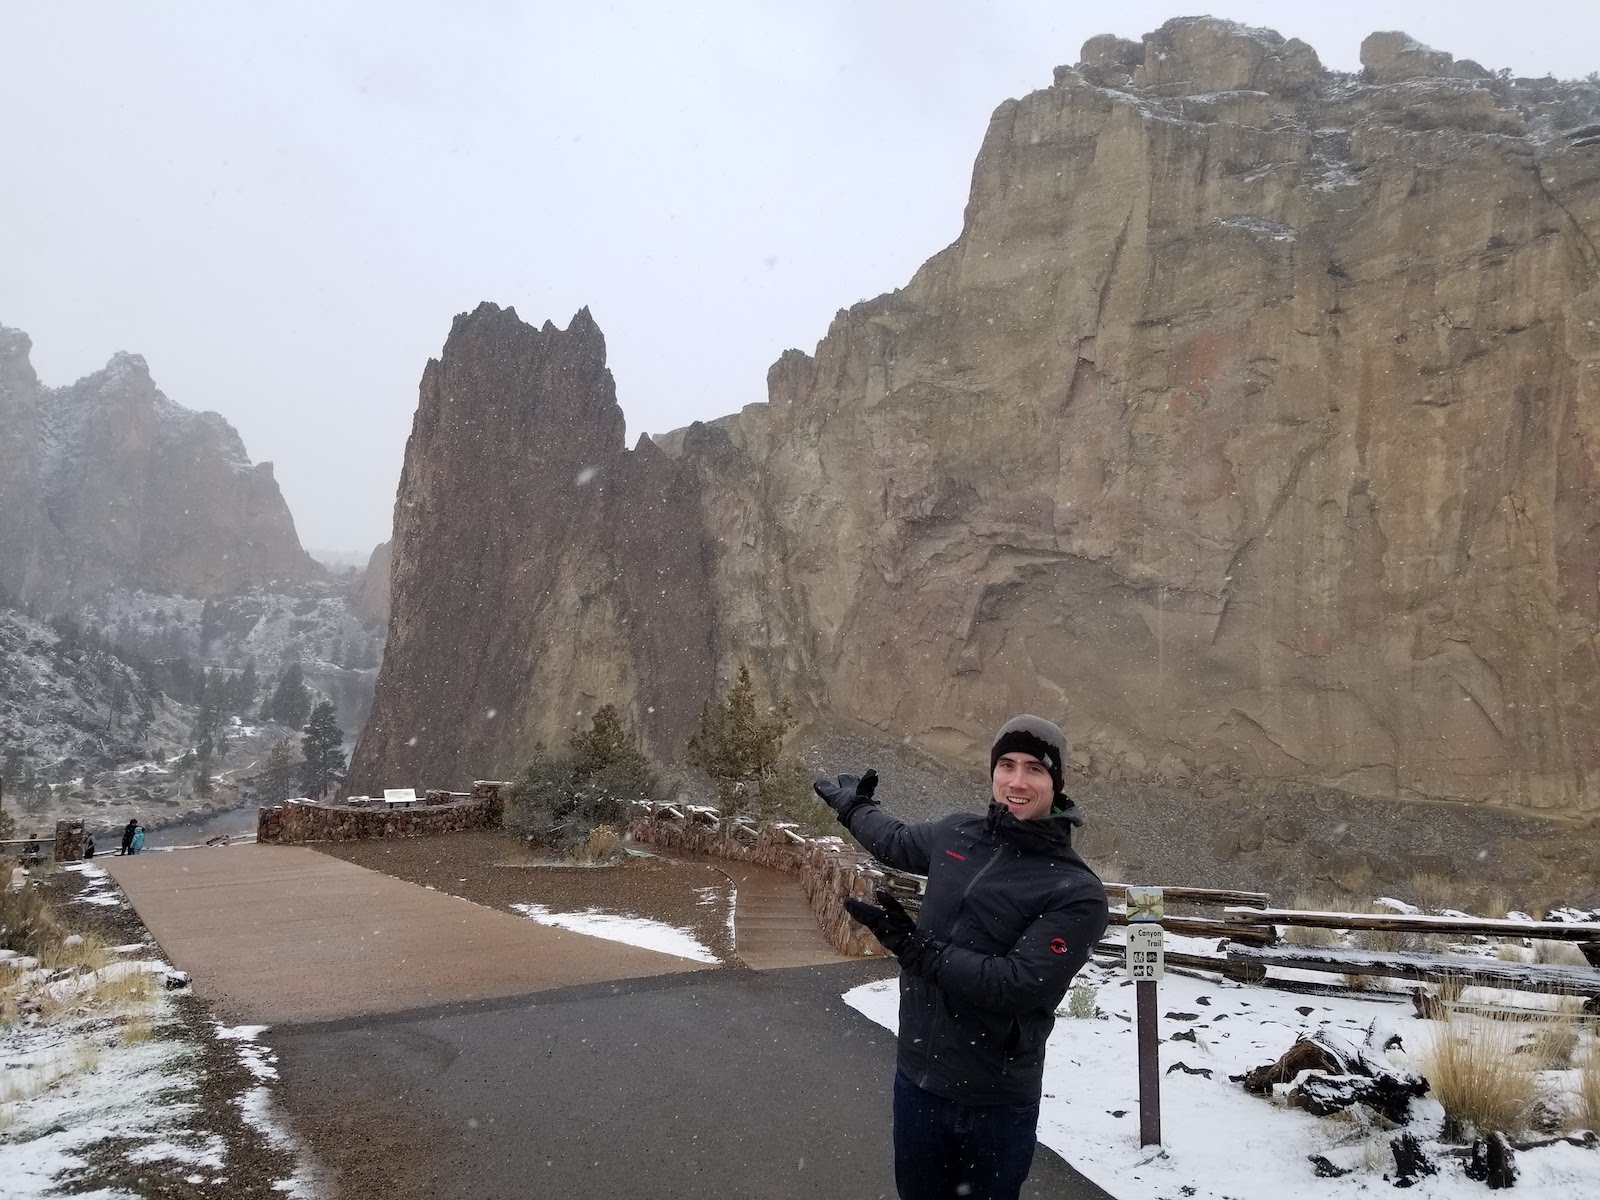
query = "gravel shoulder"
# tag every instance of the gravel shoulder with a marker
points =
(216, 1095)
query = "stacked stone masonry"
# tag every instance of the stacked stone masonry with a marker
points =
(297, 821)
(829, 870)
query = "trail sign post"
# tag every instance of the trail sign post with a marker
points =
(1145, 961)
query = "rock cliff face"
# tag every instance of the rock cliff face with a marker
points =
(1251, 424)
(371, 599)
(109, 483)
(540, 569)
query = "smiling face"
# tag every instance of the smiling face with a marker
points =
(1023, 785)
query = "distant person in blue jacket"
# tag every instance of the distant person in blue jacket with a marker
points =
(1009, 916)
(137, 844)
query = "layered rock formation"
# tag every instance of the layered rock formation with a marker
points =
(540, 569)
(109, 483)
(371, 599)
(1250, 425)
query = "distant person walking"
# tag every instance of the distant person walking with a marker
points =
(1009, 915)
(138, 839)
(88, 845)
(127, 836)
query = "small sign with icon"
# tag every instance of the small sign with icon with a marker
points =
(1146, 904)
(1147, 957)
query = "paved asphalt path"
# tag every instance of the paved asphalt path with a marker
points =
(727, 1083)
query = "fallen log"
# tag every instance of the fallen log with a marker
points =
(1330, 1074)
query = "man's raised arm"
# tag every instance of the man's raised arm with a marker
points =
(889, 840)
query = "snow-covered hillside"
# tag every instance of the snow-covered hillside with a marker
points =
(99, 712)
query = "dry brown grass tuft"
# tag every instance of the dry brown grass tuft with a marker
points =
(1475, 1071)
(1588, 1113)
(1305, 935)
(123, 991)
(1555, 1040)
(77, 953)
(602, 843)
(138, 1029)
(1450, 988)
(1433, 892)
(86, 1057)
(1561, 954)
(26, 924)
(1494, 904)
(1386, 941)
(1301, 935)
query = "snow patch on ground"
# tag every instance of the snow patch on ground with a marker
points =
(635, 931)
(85, 1063)
(100, 889)
(73, 1083)
(1220, 1142)
(259, 1111)
(261, 1062)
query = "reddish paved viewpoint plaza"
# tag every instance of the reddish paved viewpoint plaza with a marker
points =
(280, 934)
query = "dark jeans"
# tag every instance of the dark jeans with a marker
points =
(943, 1148)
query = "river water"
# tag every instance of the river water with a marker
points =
(233, 822)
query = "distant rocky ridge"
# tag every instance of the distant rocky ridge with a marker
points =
(108, 483)
(371, 600)
(1251, 424)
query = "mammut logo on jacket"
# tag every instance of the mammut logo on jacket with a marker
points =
(1058, 946)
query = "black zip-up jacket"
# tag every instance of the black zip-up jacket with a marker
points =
(1011, 913)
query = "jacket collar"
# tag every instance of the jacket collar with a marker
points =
(1043, 835)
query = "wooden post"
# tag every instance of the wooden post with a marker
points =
(1145, 964)
(1149, 1065)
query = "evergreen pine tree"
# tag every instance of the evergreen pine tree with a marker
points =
(245, 687)
(738, 745)
(277, 779)
(604, 742)
(208, 720)
(291, 699)
(322, 746)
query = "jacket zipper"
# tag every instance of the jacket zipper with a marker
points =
(927, 1069)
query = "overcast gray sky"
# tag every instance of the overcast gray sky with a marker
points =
(283, 206)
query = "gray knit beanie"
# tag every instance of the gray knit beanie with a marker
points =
(1043, 739)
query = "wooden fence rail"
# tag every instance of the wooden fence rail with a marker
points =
(1118, 892)
(1555, 931)
(1431, 968)
(1247, 931)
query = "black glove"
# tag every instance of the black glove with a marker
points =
(848, 793)
(891, 924)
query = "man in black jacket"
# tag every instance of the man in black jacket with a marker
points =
(1010, 915)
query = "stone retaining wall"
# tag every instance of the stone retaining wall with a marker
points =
(829, 870)
(297, 821)
(69, 841)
